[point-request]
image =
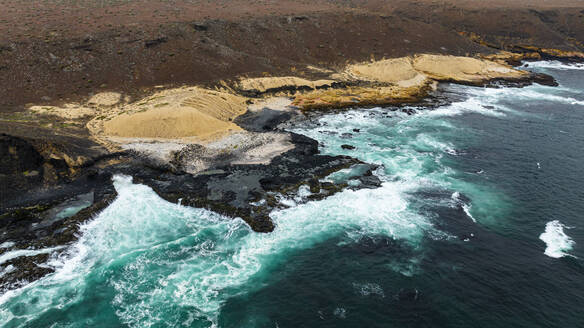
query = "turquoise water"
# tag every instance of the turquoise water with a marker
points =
(478, 223)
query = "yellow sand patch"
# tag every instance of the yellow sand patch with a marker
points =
(361, 96)
(319, 69)
(262, 84)
(199, 114)
(399, 71)
(105, 99)
(463, 69)
(172, 114)
(69, 111)
(169, 122)
(273, 103)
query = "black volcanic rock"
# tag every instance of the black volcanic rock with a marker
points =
(250, 191)
(263, 120)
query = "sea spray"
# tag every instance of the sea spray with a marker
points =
(556, 65)
(415, 149)
(558, 243)
(160, 258)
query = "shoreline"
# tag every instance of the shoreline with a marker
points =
(233, 184)
(199, 114)
(462, 182)
(193, 103)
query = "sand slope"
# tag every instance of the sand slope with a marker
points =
(463, 69)
(177, 113)
(405, 79)
(399, 71)
(412, 71)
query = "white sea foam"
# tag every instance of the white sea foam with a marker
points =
(557, 242)
(451, 151)
(7, 244)
(554, 64)
(162, 259)
(456, 197)
(457, 201)
(369, 289)
(26, 252)
(304, 191)
(9, 268)
(466, 209)
(540, 95)
(286, 201)
(202, 255)
(340, 312)
(492, 101)
(474, 104)
(534, 93)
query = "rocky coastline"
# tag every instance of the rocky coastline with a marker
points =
(220, 141)
(36, 220)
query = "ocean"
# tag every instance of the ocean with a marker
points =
(478, 223)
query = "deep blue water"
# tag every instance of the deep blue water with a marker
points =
(479, 223)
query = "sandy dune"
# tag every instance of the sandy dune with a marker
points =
(412, 71)
(408, 78)
(463, 69)
(177, 113)
(399, 71)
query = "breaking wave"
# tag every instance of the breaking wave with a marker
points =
(558, 244)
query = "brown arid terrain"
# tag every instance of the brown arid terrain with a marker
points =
(56, 51)
(187, 95)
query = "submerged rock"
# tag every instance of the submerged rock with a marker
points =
(348, 147)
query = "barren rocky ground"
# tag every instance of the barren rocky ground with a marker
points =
(55, 51)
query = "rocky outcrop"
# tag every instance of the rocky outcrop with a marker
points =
(48, 225)
(42, 223)
(263, 85)
(549, 53)
(253, 191)
(23, 168)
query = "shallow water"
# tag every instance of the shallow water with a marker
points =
(478, 223)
